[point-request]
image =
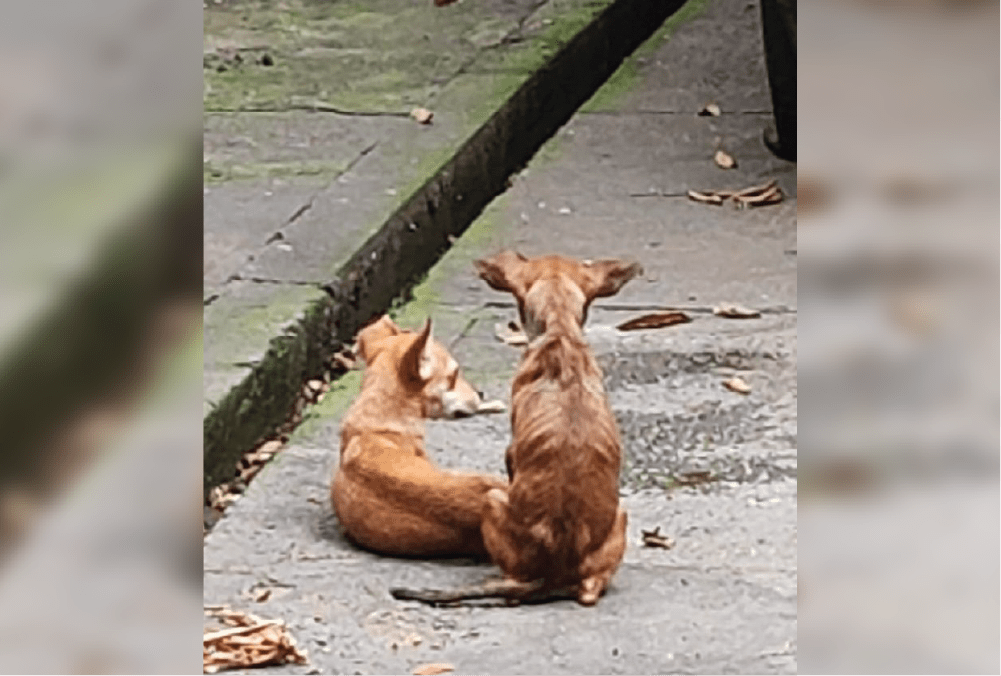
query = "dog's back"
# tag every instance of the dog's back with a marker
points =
(388, 495)
(560, 520)
(565, 488)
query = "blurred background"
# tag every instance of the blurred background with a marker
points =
(898, 336)
(100, 336)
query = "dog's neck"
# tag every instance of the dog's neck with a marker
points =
(384, 406)
(554, 308)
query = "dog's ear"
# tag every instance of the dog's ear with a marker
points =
(367, 344)
(418, 362)
(606, 277)
(502, 272)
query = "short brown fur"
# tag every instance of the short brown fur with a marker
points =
(388, 494)
(560, 520)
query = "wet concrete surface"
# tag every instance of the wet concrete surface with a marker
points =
(723, 599)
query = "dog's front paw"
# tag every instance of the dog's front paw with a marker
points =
(495, 406)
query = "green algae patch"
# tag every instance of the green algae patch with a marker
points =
(219, 172)
(610, 96)
(372, 56)
(335, 403)
(240, 323)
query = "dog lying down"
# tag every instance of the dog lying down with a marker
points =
(388, 495)
(558, 530)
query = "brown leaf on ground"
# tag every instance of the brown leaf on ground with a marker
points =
(694, 477)
(710, 110)
(422, 115)
(247, 641)
(732, 311)
(656, 320)
(757, 189)
(705, 197)
(753, 196)
(433, 668)
(442, 3)
(345, 359)
(653, 538)
(737, 385)
(724, 161)
(771, 195)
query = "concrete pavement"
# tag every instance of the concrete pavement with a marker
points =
(610, 183)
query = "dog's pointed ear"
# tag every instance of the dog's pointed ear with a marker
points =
(367, 343)
(610, 275)
(419, 359)
(501, 272)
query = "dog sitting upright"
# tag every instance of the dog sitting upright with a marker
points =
(558, 530)
(388, 495)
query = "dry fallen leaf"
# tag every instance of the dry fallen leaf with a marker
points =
(756, 189)
(442, 3)
(422, 115)
(432, 669)
(510, 334)
(773, 195)
(737, 385)
(724, 160)
(653, 538)
(753, 196)
(731, 311)
(710, 110)
(495, 406)
(656, 320)
(345, 359)
(693, 477)
(705, 197)
(248, 641)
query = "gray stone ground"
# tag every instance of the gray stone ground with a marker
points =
(723, 599)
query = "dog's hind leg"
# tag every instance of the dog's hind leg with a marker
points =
(498, 534)
(501, 542)
(599, 566)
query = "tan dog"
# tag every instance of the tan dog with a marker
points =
(558, 531)
(388, 495)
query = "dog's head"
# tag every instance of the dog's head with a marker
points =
(423, 366)
(554, 285)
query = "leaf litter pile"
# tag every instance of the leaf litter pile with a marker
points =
(251, 462)
(246, 641)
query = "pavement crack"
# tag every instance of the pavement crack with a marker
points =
(311, 107)
(512, 37)
(211, 299)
(642, 111)
(301, 211)
(650, 307)
(269, 280)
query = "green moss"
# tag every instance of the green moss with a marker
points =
(234, 325)
(342, 392)
(626, 78)
(214, 172)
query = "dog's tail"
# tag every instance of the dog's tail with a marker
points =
(511, 591)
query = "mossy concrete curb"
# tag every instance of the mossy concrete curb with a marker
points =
(422, 229)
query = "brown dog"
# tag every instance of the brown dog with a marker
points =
(558, 530)
(388, 495)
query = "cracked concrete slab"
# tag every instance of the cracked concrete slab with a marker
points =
(417, 187)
